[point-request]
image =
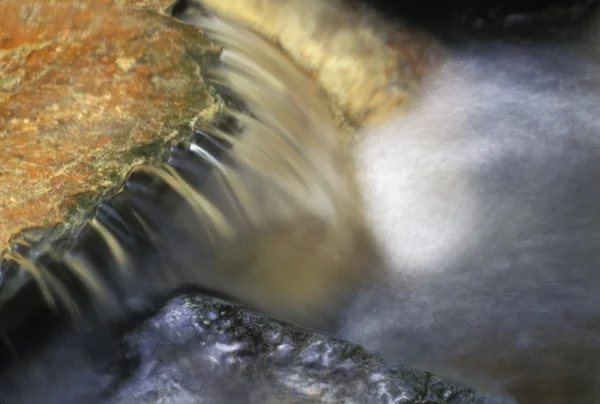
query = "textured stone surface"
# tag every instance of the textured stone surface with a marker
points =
(200, 349)
(87, 90)
(525, 19)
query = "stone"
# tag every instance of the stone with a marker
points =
(88, 90)
(263, 361)
(201, 349)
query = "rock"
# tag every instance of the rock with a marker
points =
(201, 349)
(257, 360)
(88, 90)
(144, 202)
(517, 20)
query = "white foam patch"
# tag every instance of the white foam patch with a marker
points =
(415, 175)
(486, 194)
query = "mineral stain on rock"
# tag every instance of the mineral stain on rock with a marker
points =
(88, 89)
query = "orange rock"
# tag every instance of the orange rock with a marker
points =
(81, 83)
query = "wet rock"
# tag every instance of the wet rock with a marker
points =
(517, 20)
(135, 231)
(200, 349)
(88, 89)
(252, 359)
(530, 19)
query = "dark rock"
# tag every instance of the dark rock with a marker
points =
(201, 349)
(195, 338)
(532, 19)
(88, 90)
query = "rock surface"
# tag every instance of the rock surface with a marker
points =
(265, 362)
(194, 337)
(88, 89)
(201, 349)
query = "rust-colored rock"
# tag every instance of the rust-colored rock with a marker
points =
(84, 87)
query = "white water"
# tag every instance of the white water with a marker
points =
(486, 198)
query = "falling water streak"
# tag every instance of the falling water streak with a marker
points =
(35, 272)
(152, 234)
(84, 271)
(201, 205)
(236, 192)
(113, 245)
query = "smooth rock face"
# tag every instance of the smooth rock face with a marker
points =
(88, 89)
(200, 349)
